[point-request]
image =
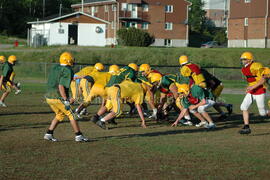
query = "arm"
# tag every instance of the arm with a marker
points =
(259, 83)
(174, 90)
(181, 115)
(1, 81)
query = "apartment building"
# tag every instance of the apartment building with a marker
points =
(249, 23)
(217, 11)
(165, 19)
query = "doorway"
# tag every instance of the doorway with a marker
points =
(73, 34)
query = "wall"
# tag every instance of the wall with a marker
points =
(55, 37)
(87, 35)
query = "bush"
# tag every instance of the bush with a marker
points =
(134, 37)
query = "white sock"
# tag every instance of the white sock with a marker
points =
(187, 117)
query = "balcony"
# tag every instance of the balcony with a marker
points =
(129, 15)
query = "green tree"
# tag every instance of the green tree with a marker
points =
(197, 17)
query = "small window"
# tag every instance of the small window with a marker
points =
(145, 7)
(145, 25)
(129, 7)
(246, 22)
(168, 8)
(61, 31)
(167, 42)
(124, 6)
(106, 8)
(114, 8)
(168, 26)
(247, 1)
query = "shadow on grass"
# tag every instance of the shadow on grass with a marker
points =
(22, 113)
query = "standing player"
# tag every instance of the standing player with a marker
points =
(7, 77)
(58, 97)
(253, 72)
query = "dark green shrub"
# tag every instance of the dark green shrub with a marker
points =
(134, 37)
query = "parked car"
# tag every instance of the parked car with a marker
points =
(210, 44)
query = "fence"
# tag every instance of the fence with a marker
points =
(38, 72)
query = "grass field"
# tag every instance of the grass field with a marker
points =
(128, 151)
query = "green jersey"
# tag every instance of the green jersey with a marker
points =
(59, 75)
(7, 70)
(181, 79)
(166, 82)
(196, 95)
(125, 73)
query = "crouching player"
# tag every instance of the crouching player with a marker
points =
(58, 97)
(116, 95)
(196, 100)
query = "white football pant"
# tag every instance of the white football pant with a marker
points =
(248, 100)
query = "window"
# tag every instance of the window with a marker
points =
(168, 26)
(247, 1)
(114, 7)
(144, 25)
(132, 24)
(145, 7)
(124, 6)
(167, 42)
(112, 25)
(246, 22)
(106, 8)
(129, 7)
(168, 8)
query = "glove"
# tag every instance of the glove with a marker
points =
(67, 104)
(154, 114)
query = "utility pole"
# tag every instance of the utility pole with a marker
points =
(82, 4)
(60, 10)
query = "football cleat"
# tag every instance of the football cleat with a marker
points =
(112, 121)
(101, 124)
(2, 104)
(18, 91)
(230, 108)
(210, 126)
(81, 138)
(95, 118)
(50, 137)
(201, 124)
(245, 131)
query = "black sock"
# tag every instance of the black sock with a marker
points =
(49, 131)
(78, 133)
(246, 126)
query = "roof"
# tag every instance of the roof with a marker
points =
(66, 16)
(92, 2)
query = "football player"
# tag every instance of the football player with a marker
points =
(58, 98)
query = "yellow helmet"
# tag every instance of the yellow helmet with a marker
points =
(247, 56)
(155, 77)
(133, 66)
(113, 69)
(2, 59)
(66, 58)
(183, 60)
(99, 66)
(145, 68)
(12, 59)
(183, 88)
(266, 72)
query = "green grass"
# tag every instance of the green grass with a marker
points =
(11, 40)
(228, 57)
(128, 151)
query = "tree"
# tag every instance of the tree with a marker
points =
(197, 19)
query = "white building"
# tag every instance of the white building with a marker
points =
(75, 29)
(216, 11)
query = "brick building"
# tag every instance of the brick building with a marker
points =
(165, 19)
(249, 23)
